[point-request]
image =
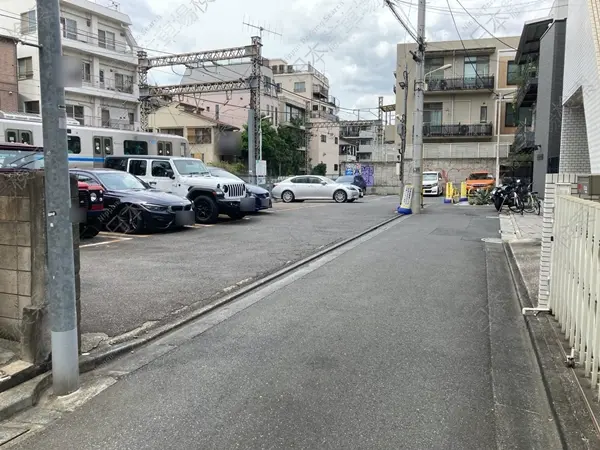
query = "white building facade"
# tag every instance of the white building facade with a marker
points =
(580, 133)
(99, 40)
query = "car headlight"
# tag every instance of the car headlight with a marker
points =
(93, 197)
(434, 185)
(156, 208)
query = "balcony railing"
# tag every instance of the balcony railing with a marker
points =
(107, 43)
(527, 94)
(524, 139)
(458, 130)
(460, 84)
(299, 68)
(320, 91)
(323, 115)
(95, 121)
(110, 84)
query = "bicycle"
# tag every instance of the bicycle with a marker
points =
(532, 203)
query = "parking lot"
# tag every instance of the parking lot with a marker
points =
(129, 280)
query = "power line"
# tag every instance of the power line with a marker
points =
(484, 28)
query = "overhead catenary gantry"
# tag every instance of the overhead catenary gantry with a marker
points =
(196, 59)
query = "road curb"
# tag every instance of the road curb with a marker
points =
(27, 394)
(572, 413)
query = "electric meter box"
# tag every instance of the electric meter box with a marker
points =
(588, 185)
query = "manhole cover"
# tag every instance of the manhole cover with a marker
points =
(492, 240)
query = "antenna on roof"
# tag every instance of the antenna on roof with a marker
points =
(261, 29)
(113, 5)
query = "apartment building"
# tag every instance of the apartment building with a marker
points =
(461, 103)
(96, 38)
(540, 58)
(368, 143)
(299, 84)
(9, 85)
(580, 132)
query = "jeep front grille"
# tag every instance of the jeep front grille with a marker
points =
(84, 199)
(235, 190)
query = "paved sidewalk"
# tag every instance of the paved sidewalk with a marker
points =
(520, 227)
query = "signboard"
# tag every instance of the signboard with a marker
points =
(261, 172)
(405, 206)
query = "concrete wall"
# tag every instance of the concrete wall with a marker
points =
(548, 103)
(382, 179)
(23, 305)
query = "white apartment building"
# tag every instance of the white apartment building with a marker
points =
(98, 39)
(298, 84)
(230, 107)
(580, 132)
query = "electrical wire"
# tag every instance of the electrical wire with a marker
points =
(484, 28)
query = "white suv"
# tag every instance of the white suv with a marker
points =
(189, 178)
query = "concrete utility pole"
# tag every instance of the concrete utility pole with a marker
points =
(60, 289)
(418, 121)
(404, 86)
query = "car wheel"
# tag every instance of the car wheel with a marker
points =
(129, 220)
(287, 196)
(237, 215)
(207, 211)
(340, 196)
(88, 231)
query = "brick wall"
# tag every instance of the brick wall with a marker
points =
(574, 150)
(582, 64)
(9, 96)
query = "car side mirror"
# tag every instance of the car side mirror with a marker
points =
(171, 174)
(323, 183)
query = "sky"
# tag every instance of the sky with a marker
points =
(352, 41)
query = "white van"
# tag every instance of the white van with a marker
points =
(433, 183)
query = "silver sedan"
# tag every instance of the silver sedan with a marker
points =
(314, 187)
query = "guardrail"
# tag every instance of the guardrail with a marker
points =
(574, 284)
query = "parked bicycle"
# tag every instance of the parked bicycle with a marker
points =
(531, 201)
(510, 194)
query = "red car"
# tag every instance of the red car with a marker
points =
(91, 200)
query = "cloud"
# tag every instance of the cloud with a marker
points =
(352, 41)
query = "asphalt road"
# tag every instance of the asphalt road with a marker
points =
(127, 283)
(424, 350)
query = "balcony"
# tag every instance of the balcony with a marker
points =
(480, 130)
(524, 139)
(320, 92)
(462, 84)
(323, 115)
(97, 122)
(527, 94)
(284, 69)
(333, 101)
(123, 89)
(106, 46)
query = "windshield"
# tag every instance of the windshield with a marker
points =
(327, 180)
(191, 167)
(480, 176)
(12, 159)
(430, 177)
(119, 181)
(345, 179)
(224, 174)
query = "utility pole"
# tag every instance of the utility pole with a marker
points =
(60, 287)
(255, 108)
(404, 86)
(418, 121)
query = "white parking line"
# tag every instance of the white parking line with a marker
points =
(105, 243)
(119, 235)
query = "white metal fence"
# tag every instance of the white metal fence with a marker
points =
(575, 278)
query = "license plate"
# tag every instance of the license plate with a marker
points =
(183, 218)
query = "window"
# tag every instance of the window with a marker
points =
(86, 71)
(476, 67)
(336, 140)
(315, 107)
(75, 112)
(74, 144)
(300, 86)
(510, 116)
(69, 28)
(173, 131)
(202, 136)
(25, 68)
(483, 114)
(301, 180)
(103, 145)
(276, 116)
(101, 76)
(117, 164)
(138, 167)
(314, 180)
(432, 64)
(161, 148)
(169, 149)
(105, 118)
(512, 73)
(216, 112)
(131, 118)
(161, 169)
(106, 39)
(135, 148)
(124, 83)
(432, 113)
(335, 167)
(19, 136)
(28, 22)
(323, 138)
(32, 107)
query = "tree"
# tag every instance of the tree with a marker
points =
(279, 147)
(319, 169)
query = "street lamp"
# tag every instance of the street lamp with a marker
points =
(447, 66)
